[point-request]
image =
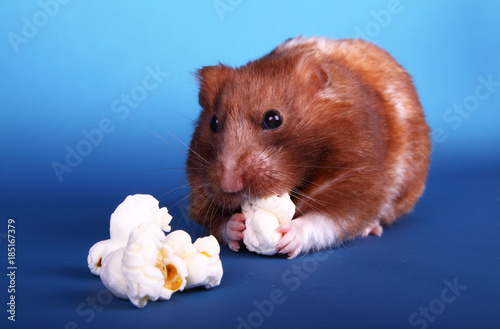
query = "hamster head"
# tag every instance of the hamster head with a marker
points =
(261, 130)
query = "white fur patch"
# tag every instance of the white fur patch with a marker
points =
(292, 43)
(399, 170)
(401, 110)
(299, 41)
(317, 232)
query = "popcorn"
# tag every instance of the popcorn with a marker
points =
(204, 267)
(111, 273)
(207, 245)
(201, 258)
(262, 218)
(150, 268)
(141, 264)
(181, 244)
(97, 254)
(133, 211)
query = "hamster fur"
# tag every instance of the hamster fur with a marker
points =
(335, 123)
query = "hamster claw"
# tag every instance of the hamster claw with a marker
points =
(234, 245)
(234, 231)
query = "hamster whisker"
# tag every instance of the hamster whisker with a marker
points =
(338, 179)
(326, 167)
(313, 202)
(304, 198)
(352, 197)
(301, 196)
(211, 209)
(168, 142)
(315, 208)
(165, 168)
(177, 201)
(161, 137)
(186, 145)
(159, 187)
(175, 189)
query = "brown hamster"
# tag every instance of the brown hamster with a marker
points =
(335, 123)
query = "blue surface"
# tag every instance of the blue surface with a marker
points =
(66, 71)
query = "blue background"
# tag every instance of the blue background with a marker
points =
(65, 68)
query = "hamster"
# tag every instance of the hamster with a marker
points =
(337, 124)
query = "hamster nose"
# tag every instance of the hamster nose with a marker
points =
(231, 183)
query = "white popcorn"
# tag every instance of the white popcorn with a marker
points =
(97, 253)
(133, 211)
(208, 245)
(201, 258)
(141, 264)
(112, 275)
(262, 218)
(280, 205)
(205, 266)
(150, 268)
(181, 243)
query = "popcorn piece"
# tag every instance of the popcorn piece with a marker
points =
(151, 269)
(204, 267)
(132, 212)
(260, 235)
(203, 271)
(208, 245)
(201, 258)
(111, 273)
(97, 253)
(140, 263)
(262, 218)
(181, 243)
(280, 205)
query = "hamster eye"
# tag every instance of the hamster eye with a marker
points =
(214, 124)
(272, 120)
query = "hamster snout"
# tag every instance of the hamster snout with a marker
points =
(335, 123)
(245, 173)
(234, 176)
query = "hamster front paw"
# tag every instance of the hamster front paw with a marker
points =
(291, 242)
(234, 231)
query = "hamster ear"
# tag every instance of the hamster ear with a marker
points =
(211, 79)
(312, 73)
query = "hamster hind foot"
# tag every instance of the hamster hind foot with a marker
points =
(376, 229)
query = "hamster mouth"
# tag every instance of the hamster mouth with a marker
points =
(234, 199)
